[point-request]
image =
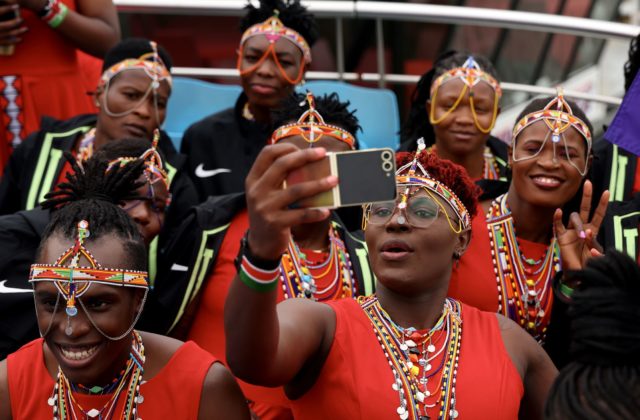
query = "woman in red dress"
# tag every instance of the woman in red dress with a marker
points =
(43, 77)
(514, 255)
(405, 352)
(90, 362)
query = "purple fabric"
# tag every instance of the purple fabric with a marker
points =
(625, 128)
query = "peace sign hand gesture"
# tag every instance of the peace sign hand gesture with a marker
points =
(578, 241)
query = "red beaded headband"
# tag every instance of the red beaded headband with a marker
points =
(312, 128)
(273, 29)
(72, 281)
(150, 62)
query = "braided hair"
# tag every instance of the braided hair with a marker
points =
(417, 123)
(329, 106)
(93, 194)
(450, 174)
(603, 380)
(292, 14)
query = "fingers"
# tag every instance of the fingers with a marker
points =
(595, 253)
(576, 221)
(600, 212)
(557, 223)
(585, 204)
(266, 158)
(275, 175)
(592, 241)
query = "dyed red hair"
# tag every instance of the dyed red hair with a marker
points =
(450, 174)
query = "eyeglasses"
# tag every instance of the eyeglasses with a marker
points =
(419, 211)
(562, 152)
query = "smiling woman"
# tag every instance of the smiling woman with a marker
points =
(90, 285)
(515, 254)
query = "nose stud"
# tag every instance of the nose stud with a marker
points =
(401, 220)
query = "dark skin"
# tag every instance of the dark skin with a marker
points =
(94, 28)
(265, 86)
(457, 136)
(148, 214)
(543, 184)
(126, 92)
(113, 310)
(412, 293)
(314, 235)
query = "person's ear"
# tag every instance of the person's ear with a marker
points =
(464, 238)
(510, 155)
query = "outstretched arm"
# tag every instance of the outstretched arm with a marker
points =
(268, 344)
(221, 396)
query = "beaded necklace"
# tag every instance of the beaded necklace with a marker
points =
(65, 406)
(85, 150)
(524, 285)
(298, 277)
(490, 170)
(410, 354)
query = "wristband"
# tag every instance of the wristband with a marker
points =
(256, 278)
(54, 13)
(245, 251)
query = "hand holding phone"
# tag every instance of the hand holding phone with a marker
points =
(9, 27)
(364, 176)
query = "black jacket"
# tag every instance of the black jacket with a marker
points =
(19, 239)
(221, 149)
(191, 255)
(613, 169)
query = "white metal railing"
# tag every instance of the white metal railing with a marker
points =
(378, 11)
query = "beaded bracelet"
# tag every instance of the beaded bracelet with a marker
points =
(54, 13)
(256, 278)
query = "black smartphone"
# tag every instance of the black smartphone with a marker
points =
(365, 176)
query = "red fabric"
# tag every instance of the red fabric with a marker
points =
(173, 393)
(355, 381)
(474, 281)
(50, 81)
(636, 179)
(208, 326)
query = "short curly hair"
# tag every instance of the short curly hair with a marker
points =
(450, 174)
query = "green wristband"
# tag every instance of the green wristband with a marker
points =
(257, 286)
(59, 18)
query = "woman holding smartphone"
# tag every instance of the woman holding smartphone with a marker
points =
(515, 255)
(324, 260)
(41, 75)
(405, 352)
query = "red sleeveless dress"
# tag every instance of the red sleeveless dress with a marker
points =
(355, 381)
(42, 77)
(174, 393)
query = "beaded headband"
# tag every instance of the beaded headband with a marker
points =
(558, 120)
(471, 74)
(154, 168)
(406, 176)
(150, 62)
(273, 29)
(312, 128)
(72, 281)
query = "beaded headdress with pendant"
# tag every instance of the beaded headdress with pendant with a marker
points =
(73, 280)
(413, 174)
(311, 127)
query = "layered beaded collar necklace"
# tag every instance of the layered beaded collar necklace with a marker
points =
(420, 359)
(65, 406)
(524, 285)
(298, 276)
